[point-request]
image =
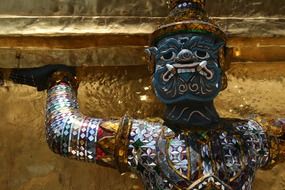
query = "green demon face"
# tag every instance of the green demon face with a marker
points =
(187, 68)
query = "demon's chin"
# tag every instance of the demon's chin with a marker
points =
(177, 90)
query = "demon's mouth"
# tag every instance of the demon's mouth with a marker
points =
(200, 67)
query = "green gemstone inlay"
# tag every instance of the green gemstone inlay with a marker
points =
(138, 144)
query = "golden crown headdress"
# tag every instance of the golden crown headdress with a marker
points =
(187, 16)
(173, 3)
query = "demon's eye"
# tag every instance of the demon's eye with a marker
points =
(202, 54)
(168, 56)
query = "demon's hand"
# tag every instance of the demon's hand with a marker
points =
(38, 77)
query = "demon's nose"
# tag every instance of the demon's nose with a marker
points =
(185, 55)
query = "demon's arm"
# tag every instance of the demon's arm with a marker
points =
(70, 133)
(74, 135)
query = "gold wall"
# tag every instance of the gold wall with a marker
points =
(136, 7)
(256, 83)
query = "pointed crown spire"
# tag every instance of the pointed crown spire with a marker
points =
(187, 16)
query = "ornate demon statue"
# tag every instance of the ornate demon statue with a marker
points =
(193, 148)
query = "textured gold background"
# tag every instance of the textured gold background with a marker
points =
(26, 163)
(136, 7)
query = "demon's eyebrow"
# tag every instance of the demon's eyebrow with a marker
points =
(170, 43)
(200, 42)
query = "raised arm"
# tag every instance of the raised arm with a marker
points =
(70, 133)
